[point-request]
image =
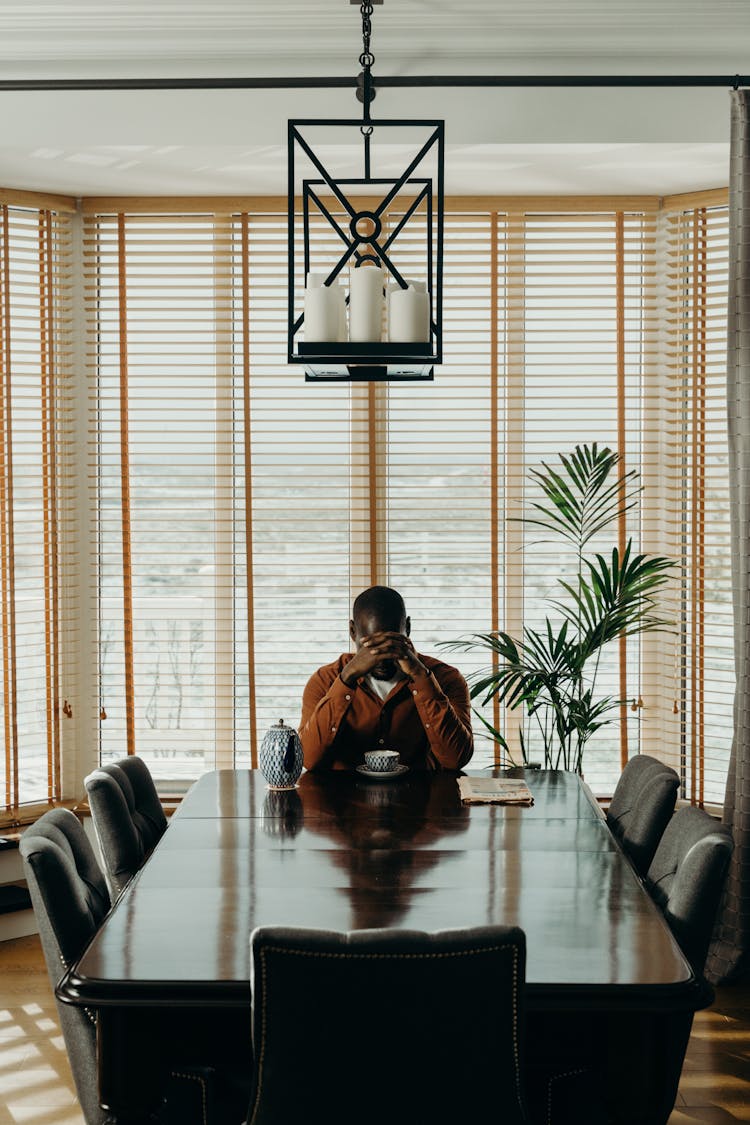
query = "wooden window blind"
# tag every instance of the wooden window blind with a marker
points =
(696, 496)
(165, 445)
(240, 510)
(38, 620)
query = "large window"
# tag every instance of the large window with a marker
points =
(37, 616)
(221, 514)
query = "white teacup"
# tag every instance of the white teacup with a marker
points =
(382, 761)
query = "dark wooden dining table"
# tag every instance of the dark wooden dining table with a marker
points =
(345, 852)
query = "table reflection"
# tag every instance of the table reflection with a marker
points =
(381, 829)
(282, 815)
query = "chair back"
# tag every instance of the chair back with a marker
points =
(128, 818)
(70, 899)
(686, 878)
(375, 1026)
(641, 807)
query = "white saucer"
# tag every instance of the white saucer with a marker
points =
(383, 775)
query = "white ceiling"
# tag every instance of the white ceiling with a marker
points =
(513, 140)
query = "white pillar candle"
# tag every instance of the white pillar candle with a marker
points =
(322, 318)
(409, 314)
(365, 304)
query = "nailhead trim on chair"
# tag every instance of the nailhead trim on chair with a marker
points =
(202, 1081)
(556, 1078)
(66, 966)
(386, 957)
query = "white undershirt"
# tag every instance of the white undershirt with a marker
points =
(383, 688)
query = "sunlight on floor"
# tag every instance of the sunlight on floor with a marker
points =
(36, 1086)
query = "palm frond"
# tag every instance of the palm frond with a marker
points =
(495, 736)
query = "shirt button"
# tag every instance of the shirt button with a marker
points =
(381, 741)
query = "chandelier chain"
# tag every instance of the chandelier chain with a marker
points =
(366, 58)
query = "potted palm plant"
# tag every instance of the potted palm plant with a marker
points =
(552, 672)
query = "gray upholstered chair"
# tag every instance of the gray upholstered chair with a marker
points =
(70, 899)
(377, 1026)
(685, 879)
(641, 807)
(128, 818)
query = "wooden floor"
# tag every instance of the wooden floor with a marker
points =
(36, 1087)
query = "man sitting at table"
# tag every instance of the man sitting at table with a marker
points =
(386, 696)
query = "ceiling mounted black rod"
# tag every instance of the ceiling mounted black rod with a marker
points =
(412, 81)
(562, 80)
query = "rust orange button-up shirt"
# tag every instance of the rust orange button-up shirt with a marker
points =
(427, 720)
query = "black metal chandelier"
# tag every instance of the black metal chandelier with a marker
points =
(379, 232)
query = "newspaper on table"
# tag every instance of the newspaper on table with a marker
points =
(494, 791)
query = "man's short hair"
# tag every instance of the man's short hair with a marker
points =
(380, 602)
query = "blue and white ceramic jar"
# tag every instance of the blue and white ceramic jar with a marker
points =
(281, 756)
